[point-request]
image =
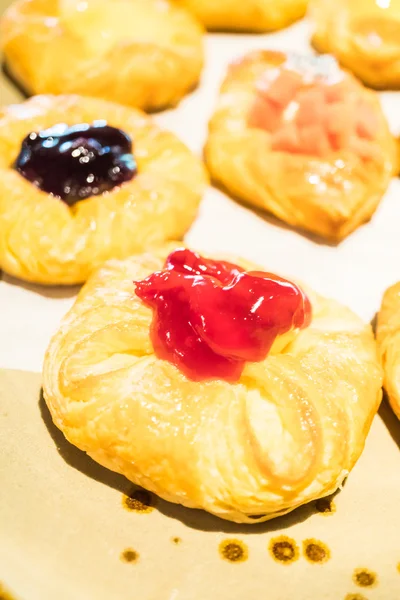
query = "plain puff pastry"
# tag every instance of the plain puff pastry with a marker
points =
(364, 35)
(319, 156)
(288, 432)
(388, 337)
(144, 53)
(250, 15)
(44, 240)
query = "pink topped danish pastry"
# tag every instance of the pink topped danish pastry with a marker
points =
(303, 139)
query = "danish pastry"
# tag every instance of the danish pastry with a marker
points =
(388, 337)
(252, 15)
(143, 53)
(214, 384)
(83, 180)
(363, 35)
(302, 139)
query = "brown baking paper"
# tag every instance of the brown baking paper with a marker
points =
(72, 530)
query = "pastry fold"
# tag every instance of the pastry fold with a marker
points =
(329, 194)
(143, 53)
(288, 432)
(388, 338)
(251, 15)
(44, 240)
(364, 35)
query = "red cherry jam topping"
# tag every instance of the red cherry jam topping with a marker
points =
(77, 162)
(210, 317)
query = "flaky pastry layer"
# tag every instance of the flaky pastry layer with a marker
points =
(251, 15)
(328, 196)
(143, 53)
(289, 431)
(363, 35)
(388, 338)
(45, 241)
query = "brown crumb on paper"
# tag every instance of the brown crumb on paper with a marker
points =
(129, 556)
(316, 551)
(355, 597)
(398, 567)
(325, 506)
(284, 550)
(176, 540)
(233, 551)
(139, 501)
(365, 578)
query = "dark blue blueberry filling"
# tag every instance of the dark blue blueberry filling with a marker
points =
(77, 162)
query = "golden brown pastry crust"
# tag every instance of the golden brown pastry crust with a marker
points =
(363, 35)
(148, 59)
(251, 15)
(288, 432)
(388, 338)
(45, 241)
(329, 196)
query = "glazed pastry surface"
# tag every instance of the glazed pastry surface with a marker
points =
(252, 15)
(363, 35)
(325, 166)
(287, 432)
(44, 240)
(143, 53)
(388, 338)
